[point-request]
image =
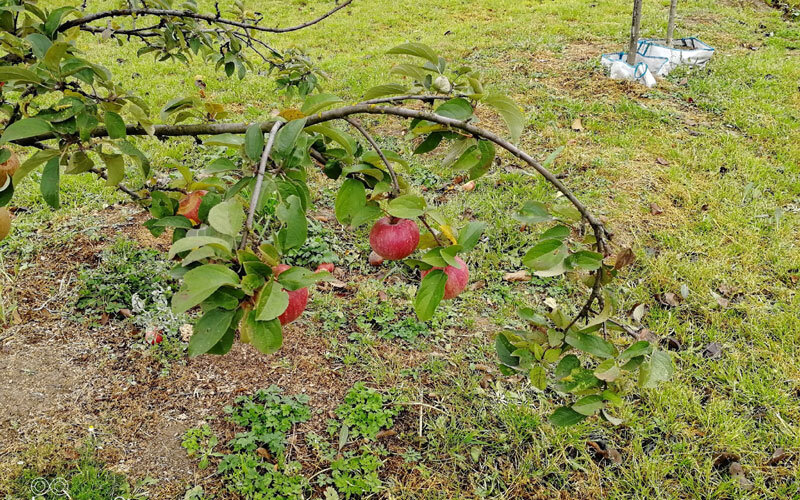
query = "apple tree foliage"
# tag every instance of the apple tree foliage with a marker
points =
(66, 115)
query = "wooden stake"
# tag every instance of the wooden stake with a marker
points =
(635, 22)
(673, 9)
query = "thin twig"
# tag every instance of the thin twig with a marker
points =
(256, 196)
(121, 187)
(211, 19)
(428, 227)
(357, 125)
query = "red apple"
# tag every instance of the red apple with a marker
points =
(375, 259)
(189, 206)
(325, 266)
(393, 238)
(153, 336)
(456, 278)
(298, 299)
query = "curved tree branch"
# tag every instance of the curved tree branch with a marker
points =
(262, 167)
(187, 14)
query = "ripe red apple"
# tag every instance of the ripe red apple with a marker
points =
(153, 336)
(375, 259)
(325, 266)
(189, 206)
(394, 238)
(457, 279)
(298, 299)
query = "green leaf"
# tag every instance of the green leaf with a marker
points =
(545, 255)
(227, 217)
(115, 168)
(173, 221)
(50, 183)
(607, 371)
(412, 71)
(39, 44)
(296, 278)
(510, 112)
(266, 336)
(219, 165)
(79, 162)
(457, 109)
(640, 348)
(192, 242)
(209, 330)
(589, 405)
(22, 129)
(655, 370)
(254, 142)
(295, 230)
(533, 212)
(558, 232)
(336, 135)
(470, 234)
(385, 90)
(407, 206)
(429, 294)
(566, 366)
(54, 54)
(230, 140)
(318, 102)
(54, 19)
(272, 302)
(504, 348)
(430, 143)
(538, 377)
(32, 162)
(287, 137)
(18, 74)
(416, 49)
(551, 158)
(584, 259)
(565, 417)
(366, 214)
(592, 345)
(199, 283)
(487, 153)
(350, 199)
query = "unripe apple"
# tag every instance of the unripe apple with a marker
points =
(375, 259)
(189, 206)
(325, 266)
(153, 336)
(393, 238)
(5, 222)
(457, 279)
(298, 299)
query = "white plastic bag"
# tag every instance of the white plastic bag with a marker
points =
(685, 51)
(640, 72)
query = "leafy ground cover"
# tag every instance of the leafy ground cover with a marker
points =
(699, 176)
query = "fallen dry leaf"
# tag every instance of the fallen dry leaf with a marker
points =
(736, 470)
(126, 312)
(638, 312)
(669, 299)
(468, 186)
(517, 276)
(662, 161)
(655, 209)
(385, 434)
(577, 125)
(713, 350)
(777, 457)
(624, 259)
(646, 334)
(672, 344)
(477, 285)
(611, 454)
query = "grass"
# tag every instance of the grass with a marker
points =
(727, 184)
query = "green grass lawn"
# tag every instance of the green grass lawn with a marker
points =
(700, 176)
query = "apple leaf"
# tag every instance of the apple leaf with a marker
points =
(227, 217)
(192, 242)
(407, 206)
(429, 294)
(533, 212)
(655, 370)
(272, 302)
(350, 199)
(50, 183)
(199, 283)
(589, 405)
(22, 129)
(565, 417)
(209, 330)
(592, 345)
(266, 336)
(254, 142)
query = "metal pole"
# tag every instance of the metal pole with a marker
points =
(635, 22)
(673, 8)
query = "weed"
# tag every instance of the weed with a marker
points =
(363, 412)
(267, 416)
(124, 270)
(199, 443)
